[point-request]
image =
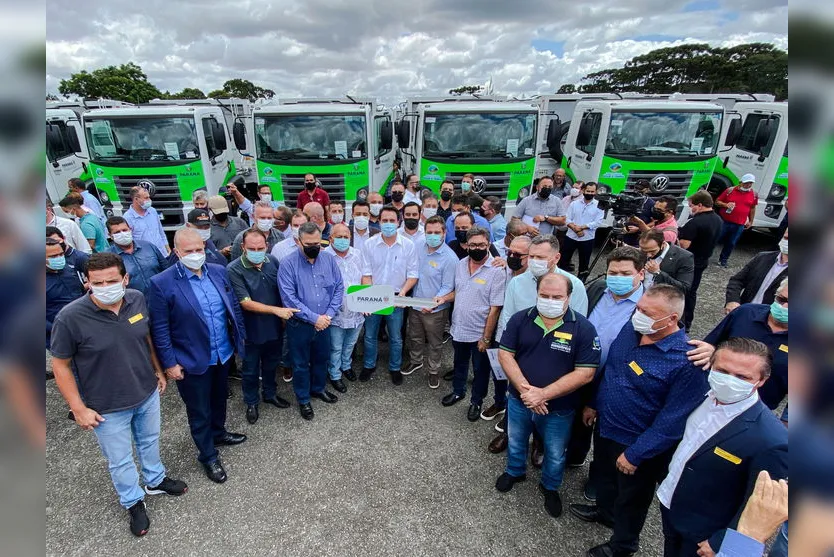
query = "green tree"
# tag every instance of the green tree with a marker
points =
(242, 88)
(566, 89)
(187, 93)
(122, 83)
(466, 90)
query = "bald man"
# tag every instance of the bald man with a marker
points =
(315, 214)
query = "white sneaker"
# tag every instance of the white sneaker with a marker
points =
(412, 369)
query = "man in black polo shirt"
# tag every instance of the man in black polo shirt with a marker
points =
(106, 335)
(254, 278)
(699, 236)
(547, 352)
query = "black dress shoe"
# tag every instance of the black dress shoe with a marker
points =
(277, 402)
(215, 471)
(252, 413)
(588, 513)
(449, 375)
(396, 377)
(451, 399)
(552, 502)
(306, 411)
(229, 439)
(499, 444)
(325, 396)
(505, 482)
(349, 375)
(339, 385)
(605, 550)
(474, 412)
(366, 374)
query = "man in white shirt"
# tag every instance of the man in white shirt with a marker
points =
(71, 231)
(360, 225)
(392, 260)
(412, 190)
(412, 228)
(584, 217)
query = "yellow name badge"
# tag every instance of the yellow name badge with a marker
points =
(136, 318)
(784, 348)
(635, 368)
(433, 264)
(480, 281)
(727, 456)
(566, 336)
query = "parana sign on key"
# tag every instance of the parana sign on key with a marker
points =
(380, 299)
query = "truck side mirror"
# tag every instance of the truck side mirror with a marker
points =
(733, 132)
(583, 134)
(239, 135)
(386, 135)
(72, 140)
(403, 134)
(554, 138)
(218, 133)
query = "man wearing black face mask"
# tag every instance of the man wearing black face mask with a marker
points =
(463, 223)
(397, 196)
(444, 206)
(411, 227)
(312, 192)
(543, 211)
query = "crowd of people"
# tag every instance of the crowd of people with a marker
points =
(604, 362)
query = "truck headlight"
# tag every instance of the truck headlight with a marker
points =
(523, 192)
(103, 197)
(777, 192)
(602, 188)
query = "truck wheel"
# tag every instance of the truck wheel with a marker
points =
(717, 185)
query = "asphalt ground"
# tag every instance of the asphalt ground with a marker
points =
(385, 471)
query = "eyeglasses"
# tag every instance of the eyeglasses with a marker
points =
(478, 246)
(516, 254)
(781, 300)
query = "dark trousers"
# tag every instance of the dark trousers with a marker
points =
(310, 355)
(625, 499)
(580, 440)
(205, 405)
(692, 297)
(585, 248)
(261, 360)
(674, 544)
(464, 352)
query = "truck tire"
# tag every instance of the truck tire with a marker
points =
(717, 185)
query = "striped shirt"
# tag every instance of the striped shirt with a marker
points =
(475, 294)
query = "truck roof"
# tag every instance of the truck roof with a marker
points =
(480, 106)
(310, 108)
(160, 110)
(659, 105)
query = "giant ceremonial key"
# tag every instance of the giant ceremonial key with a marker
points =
(380, 299)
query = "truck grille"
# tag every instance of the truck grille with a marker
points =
(678, 185)
(166, 196)
(498, 183)
(293, 184)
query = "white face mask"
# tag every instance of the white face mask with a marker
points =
(783, 246)
(336, 218)
(265, 225)
(550, 308)
(429, 212)
(295, 230)
(376, 208)
(538, 267)
(109, 295)
(193, 260)
(266, 197)
(644, 324)
(123, 238)
(574, 192)
(361, 223)
(729, 389)
(204, 234)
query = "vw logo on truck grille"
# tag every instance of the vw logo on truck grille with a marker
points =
(148, 185)
(659, 183)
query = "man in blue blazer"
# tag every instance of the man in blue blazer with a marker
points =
(729, 439)
(197, 326)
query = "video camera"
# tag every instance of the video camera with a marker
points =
(622, 206)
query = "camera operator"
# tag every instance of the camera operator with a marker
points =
(632, 236)
(663, 219)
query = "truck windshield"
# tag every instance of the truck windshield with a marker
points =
(663, 133)
(479, 135)
(142, 139)
(311, 136)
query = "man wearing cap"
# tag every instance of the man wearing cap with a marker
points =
(224, 227)
(738, 210)
(263, 223)
(142, 260)
(200, 220)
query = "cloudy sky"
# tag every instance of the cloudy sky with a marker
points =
(388, 48)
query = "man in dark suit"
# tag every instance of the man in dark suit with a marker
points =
(197, 326)
(758, 281)
(666, 263)
(728, 440)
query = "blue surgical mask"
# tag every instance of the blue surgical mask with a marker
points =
(434, 240)
(147, 204)
(341, 244)
(778, 312)
(619, 285)
(388, 229)
(56, 263)
(465, 187)
(255, 257)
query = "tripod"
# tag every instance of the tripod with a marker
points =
(612, 237)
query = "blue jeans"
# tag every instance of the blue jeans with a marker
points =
(780, 545)
(555, 431)
(730, 234)
(309, 355)
(342, 342)
(394, 325)
(464, 351)
(268, 355)
(116, 436)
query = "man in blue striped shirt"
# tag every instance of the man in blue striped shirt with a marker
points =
(647, 389)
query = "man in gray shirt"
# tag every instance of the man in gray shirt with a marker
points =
(224, 227)
(543, 210)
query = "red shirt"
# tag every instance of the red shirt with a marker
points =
(319, 196)
(745, 202)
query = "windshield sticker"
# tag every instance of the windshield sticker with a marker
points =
(191, 154)
(340, 148)
(616, 123)
(512, 147)
(431, 119)
(356, 154)
(528, 151)
(697, 144)
(172, 150)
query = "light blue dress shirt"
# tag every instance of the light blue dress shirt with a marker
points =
(214, 314)
(610, 315)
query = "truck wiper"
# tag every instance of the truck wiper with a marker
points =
(110, 158)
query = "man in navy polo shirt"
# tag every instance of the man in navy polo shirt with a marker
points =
(547, 352)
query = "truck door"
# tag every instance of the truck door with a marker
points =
(754, 154)
(383, 151)
(586, 151)
(215, 153)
